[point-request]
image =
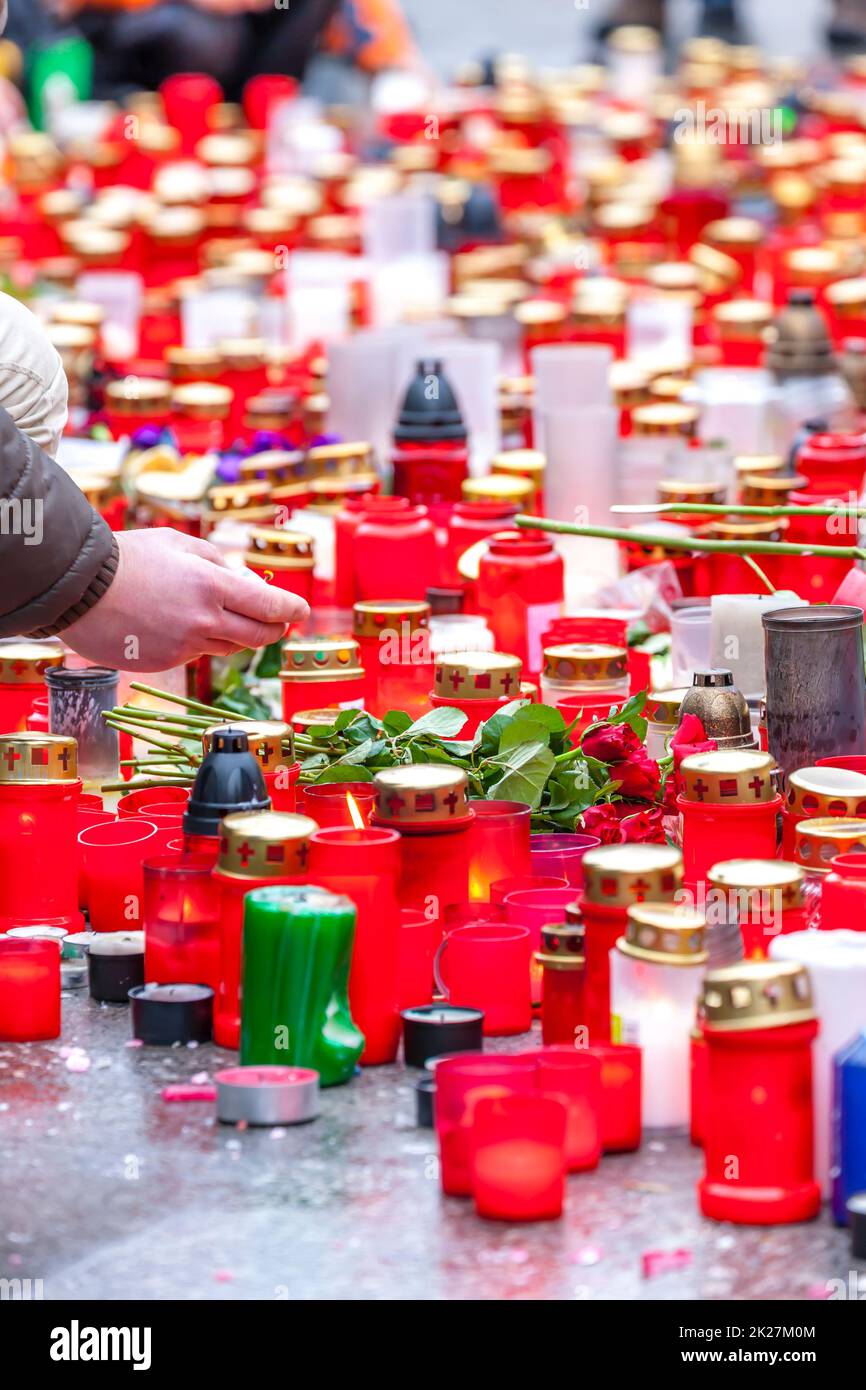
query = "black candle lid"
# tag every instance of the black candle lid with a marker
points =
(229, 779)
(430, 410)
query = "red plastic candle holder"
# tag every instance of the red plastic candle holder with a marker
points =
(29, 989)
(395, 554)
(711, 833)
(562, 962)
(87, 815)
(22, 680)
(476, 683)
(319, 673)
(517, 1157)
(469, 523)
(395, 653)
(415, 959)
(574, 1078)
(328, 802)
(365, 866)
(113, 854)
(620, 1095)
(428, 804)
(520, 591)
(346, 523)
(136, 803)
(181, 921)
(187, 98)
(561, 856)
(536, 908)
(698, 1088)
(504, 887)
(486, 965)
(461, 1082)
(499, 844)
(39, 791)
(843, 894)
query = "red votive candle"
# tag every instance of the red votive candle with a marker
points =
(39, 791)
(499, 844)
(520, 592)
(563, 966)
(257, 849)
(476, 683)
(573, 1078)
(764, 896)
(415, 959)
(620, 1095)
(188, 98)
(460, 1083)
(728, 807)
(136, 803)
(318, 672)
(428, 804)
(29, 989)
(517, 1157)
(561, 855)
(282, 558)
(365, 866)
(485, 965)
(843, 893)
(504, 887)
(616, 877)
(339, 803)
(181, 920)
(698, 1084)
(759, 1023)
(535, 908)
(113, 854)
(395, 652)
(395, 554)
(22, 679)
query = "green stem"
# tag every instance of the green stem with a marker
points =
(223, 714)
(759, 572)
(776, 509)
(691, 543)
(145, 738)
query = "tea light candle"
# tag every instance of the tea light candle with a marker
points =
(29, 990)
(434, 1030)
(267, 1095)
(115, 965)
(166, 1014)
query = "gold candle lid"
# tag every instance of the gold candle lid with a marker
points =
(751, 878)
(585, 661)
(477, 675)
(730, 777)
(332, 492)
(825, 791)
(274, 548)
(192, 364)
(79, 311)
(202, 400)
(734, 231)
(370, 618)
(663, 706)
(664, 933)
(498, 487)
(264, 844)
(848, 296)
(665, 417)
(321, 659)
(768, 489)
(756, 994)
(266, 739)
(619, 875)
(538, 313)
(242, 354)
(277, 465)
(682, 490)
(136, 393)
(25, 663)
(341, 460)
(307, 720)
(749, 464)
(629, 383)
(37, 758)
(818, 841)
(520, 463)
(423, 794)
(740, 528)
(228, 498)
(742, 318)
(562, 946)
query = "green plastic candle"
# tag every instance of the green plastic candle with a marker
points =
(297, 949)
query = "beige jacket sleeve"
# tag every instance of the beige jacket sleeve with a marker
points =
(32, 381)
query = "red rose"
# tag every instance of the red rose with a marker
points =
(690, 738)
(604, 822)
(610, 743)
(644, 828)
(639, 778)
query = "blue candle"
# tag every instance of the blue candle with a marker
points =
(849, 1124)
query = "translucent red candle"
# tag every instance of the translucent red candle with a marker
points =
(428, 804)
(499, 844)
(461, 1082)
(534, 908)
(517, 1157)
(29, 990)
(22, 680)
(415, 959)
(485, 965)
(181, 921)
(620, 1095)
(395, 653)
(561, 855)
(112, 855)
(39, 792)
(328, 802)
(504, 887)
(574, 1078)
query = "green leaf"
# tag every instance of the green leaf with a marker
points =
(270, 663)
(445, 722)
(542, 714)
(523, 731)
(526, 770)
(370, 748)
(243, 701)
(491, 732)
(631, 713)
(397, 721)
(314, 762)
(343, 772)
(362, 729)
(459, 747)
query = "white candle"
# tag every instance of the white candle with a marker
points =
(737, 635)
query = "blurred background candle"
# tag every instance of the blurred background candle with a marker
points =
(39, 791)
(655, 979)
(297, 950)
(561, 856)
(428, 804)
(415, 964)
(534, 908)
(165, 1014)
(22, 679)
(763, 896)
(460, 1083)
(364, 865)
(499, 844)
(476, 683)
(319, 672)
(517, 1157)
(504, 887)
(257, 849)
(439, 1030)
(181, 920)
(574, 1077)
(29, 990)
(728, 806)
(338, 803)
(115, 962)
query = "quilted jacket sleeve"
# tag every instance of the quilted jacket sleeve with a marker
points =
(57, 555)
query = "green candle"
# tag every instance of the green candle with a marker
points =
(297, 949)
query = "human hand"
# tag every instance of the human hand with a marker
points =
(174, 599)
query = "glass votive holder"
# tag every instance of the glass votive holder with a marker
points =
(415, 960)
(574, 1078)
(498, 844)
(517, 1157)
(167, 816)
(621, 1112)
(488, 967)
(29, 989)
(462, 1081)
(181, 920)
(84, 816)
(137, 802)
(327, 803)
(77, 698)
(561, 856)
(691, 634)
(535, 908)
(504, 887)
(112, 854)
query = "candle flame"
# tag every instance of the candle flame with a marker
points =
(354, 812)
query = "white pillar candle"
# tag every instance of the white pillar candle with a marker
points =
(836, 962)
(653, 1007)
(737, 635)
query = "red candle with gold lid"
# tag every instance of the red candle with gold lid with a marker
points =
(39, 791)
(825, 792)
(22, 679)
(728, 805)
(283, 558)
(257, 849)
(394, 641)
(272, 745)
(478, 683)
(764, 895)
(199, 415)
(563, 982)
(322, 671)
(428, 803)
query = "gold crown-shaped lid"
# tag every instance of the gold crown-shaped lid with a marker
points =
(322, 659)
(275, 465)
(37, 758)
(756, 994)
(585, 661)
(372, 618)
(818, 841)
(25, 663)
(266, 739)
(226, 498)
(520, 463)
(329, 494)
(137, 393)
(477, 675)
(759, 882)
(424, 794)
(825, 791)
(498, 487)
(264, 844)
(680, 490)
(664, 933)
(341, 460)
(619, 875)
(286, 550)
(746, 528)
(730, 777)
(768, 489)
(562, 946)
(663, 706)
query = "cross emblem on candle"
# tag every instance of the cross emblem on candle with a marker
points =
(507, 682)
(244, 853)
(265, 753)
(394, 805)
(19, 667)
(640, 888)
(63, 758)
(12, 757)
(608, 887)
(699, 788)
(757, 786)
(451, 801)
(303, 851)
(456, 680)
